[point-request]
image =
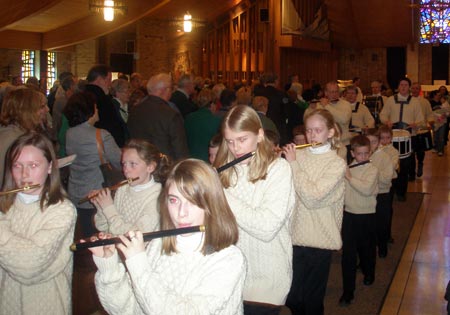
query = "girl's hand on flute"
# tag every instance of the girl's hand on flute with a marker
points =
(101, 251)
(131, 245)
(289, 152)
(103, 199)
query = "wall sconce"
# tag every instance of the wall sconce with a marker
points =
(187, 23)
(108, 7)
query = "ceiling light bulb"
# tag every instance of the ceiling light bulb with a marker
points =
(108, 10)
(187, 23)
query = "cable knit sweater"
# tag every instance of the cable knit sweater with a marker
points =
(361, 189)
(319, 184)
(394, 155)
(35, 260)
(183, 283)
(386, 170)
(131, 210)
(263, 212)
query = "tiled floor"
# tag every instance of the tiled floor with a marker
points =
(419, 284)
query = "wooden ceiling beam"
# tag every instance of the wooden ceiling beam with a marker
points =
(13, 10)
(20, 40)
(94, 26)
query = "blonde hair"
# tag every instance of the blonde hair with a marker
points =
(244, 118)
(199, 184)
(328, 118)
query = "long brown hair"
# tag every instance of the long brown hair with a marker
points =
(199, 183)
(20, 107)
(52, 192)
(244, 118)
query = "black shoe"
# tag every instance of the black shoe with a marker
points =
(368, 280)
(382, 253)
(391, 240)
(346, 299)
(411, 178)
(401, 198)
(420, 170)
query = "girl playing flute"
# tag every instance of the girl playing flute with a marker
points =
(197, 273)
(316, 224)
(36, 228)
(261, 195)
(135, 205)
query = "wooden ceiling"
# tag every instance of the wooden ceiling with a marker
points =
(53, 24)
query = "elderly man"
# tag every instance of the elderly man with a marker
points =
(402, 111)
(429, 119)
(181, 97)
(155, 121)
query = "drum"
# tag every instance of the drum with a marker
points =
(401, 140)
(424, 141)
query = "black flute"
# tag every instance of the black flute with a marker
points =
(359, 164)
(234, 162)
(147, 237)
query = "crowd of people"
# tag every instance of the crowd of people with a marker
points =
(271, 220)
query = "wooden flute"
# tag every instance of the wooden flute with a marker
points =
(13, 191)
(359, 164)
(114, 187)
(147, 237)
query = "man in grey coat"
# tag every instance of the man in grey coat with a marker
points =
(155, 121)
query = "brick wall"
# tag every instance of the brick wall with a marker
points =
(368, 64)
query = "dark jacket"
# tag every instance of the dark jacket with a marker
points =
(153, 120)
(184, 104)
(107, 115)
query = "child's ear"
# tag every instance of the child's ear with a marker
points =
(49, 171)
(260, 135)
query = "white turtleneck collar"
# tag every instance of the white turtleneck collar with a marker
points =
(320, 149)
(142, 187)
(190, 243)
(28, 199)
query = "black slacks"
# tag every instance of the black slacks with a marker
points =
(383, 220)
(359, 238)
(311, 268)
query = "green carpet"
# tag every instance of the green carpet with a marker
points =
(369, 299)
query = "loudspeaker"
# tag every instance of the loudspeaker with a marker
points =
(264, 15)
(121, 63)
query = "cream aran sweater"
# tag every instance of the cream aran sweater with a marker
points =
(361, 189)
(263, 211)
(386, 170)
(132, 210)
(394, 155)
(35, 259)
(319, 184)
(183, 283)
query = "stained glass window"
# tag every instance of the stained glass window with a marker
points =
(435, 21)
(27, 64)
(51, 69)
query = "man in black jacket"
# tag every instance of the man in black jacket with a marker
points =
(99, 81)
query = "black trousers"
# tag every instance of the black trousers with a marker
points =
(85, 222)
(383, 219)
(391, 200)
(400, 184)
(260, 309)
(420, 155)
(359, 238)
(311, 268)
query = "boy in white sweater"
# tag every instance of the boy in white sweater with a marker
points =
(386, 170)
(358, 226)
